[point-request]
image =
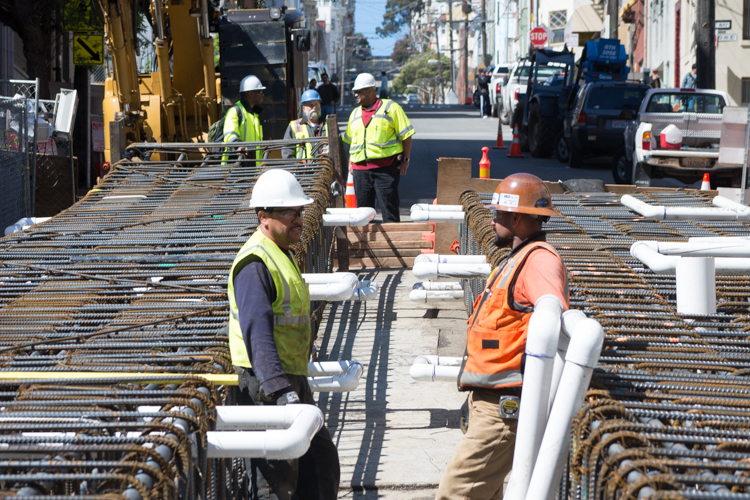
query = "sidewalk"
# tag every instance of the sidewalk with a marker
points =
(395, 436)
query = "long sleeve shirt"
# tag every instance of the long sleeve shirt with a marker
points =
(255, 292)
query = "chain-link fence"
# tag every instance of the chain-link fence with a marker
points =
(15, 201)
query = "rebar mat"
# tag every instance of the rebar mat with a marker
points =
(668, 412)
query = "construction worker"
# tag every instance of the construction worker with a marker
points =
(241, 122)
(269, 337)
(379, 135)
(310, 125)
(496, 338)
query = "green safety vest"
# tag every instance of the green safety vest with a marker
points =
(382, 137)
(243, 129)
(291, 309)
(303, 131)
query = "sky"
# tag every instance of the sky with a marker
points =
(368, 15)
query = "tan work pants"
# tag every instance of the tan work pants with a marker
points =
(485, 454)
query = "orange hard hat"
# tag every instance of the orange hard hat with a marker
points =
(522, 193)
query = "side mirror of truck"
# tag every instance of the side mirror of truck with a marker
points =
(626, 114)
(303, 40)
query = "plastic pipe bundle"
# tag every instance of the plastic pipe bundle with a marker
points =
(435, 368)
(424, 212)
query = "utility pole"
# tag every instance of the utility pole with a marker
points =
(484, 33)
(704, 41)
(613, 17)
(439, 64)
(450, 33)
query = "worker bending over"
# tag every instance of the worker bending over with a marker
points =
(241, 123)
(310, 125)
(379, 135)
(269, 338)
(496, 339)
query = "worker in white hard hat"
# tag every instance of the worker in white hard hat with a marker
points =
(270, 339)
(310, 125)
(379, 135)
(241, 122)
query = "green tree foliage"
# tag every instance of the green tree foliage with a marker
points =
(402, 50)
(418, 71)
(398, 14)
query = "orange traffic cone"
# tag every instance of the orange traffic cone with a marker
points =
(706, 184)
(515, 146)
(349, 197)
(499, 144)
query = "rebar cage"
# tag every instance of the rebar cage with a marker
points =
(667, 415)
(133, 278)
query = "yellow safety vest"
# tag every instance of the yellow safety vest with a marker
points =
(382, 137)
(248, 129)
(291, 309)
(303, 131)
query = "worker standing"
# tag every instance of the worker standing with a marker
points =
(310, 125)
(269, 338)
(241, 123)
(379, 135)
(496, 339)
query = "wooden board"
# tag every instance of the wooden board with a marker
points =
(361, 245)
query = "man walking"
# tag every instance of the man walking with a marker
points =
(383, 85)
(310, 125)
(379, 135)
(483, 87)
(269, 338)
(689, 81)
(329, 97)
(241, 123)
(655, 80)
(496, 338)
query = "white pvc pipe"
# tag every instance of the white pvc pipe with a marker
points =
(326, 368)
(723, 202)
(418, 295)
(438, 285)
(366, 290)
(682, 213)
(422, 212)
(427, 207)
(557, 369)
(696, 285)
(430, 267)
(353, 217)
(730, 248)
(24, 223)
(284, 440)
(587, 337)
(541, 346)
(338, 383)
(341, 289)
(435, 368)
(645, 252)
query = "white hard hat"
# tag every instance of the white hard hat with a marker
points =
(363, 81)
(278, 188)
(251, 83)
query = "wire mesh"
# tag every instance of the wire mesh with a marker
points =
(133, 278)
(14, 161)
(667, 415)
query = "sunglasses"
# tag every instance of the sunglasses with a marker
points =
(289, 213)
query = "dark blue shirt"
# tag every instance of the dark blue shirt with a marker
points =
(255, 292)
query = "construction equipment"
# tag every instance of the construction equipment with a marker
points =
(602, 60)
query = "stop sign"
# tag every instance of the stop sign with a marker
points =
(538, 36)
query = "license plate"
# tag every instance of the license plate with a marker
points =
(694, 162)
(619, 124)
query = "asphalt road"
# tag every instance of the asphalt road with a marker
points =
(459, 132)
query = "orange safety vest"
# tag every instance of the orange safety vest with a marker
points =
(496, 339)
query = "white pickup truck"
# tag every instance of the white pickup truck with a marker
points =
(698, 116)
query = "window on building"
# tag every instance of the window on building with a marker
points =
(745, 23)
(745, 91)
(557, 21)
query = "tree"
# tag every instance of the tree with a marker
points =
(419, 71)
(402, 50)
(398, 13)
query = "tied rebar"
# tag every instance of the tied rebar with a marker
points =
(667, 415)
(132, 281)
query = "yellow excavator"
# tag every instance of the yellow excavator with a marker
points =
(180, 100)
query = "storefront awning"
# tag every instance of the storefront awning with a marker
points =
(586, 20)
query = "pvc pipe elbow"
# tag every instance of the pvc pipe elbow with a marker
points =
(743, 211)
(365, 290)
(24, 224)
(585, 343)
(338, 383)
(352, 217)
(328, 368)
(332, 291)
(641, 208)
(645, 252)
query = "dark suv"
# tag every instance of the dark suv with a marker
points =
(595, 123)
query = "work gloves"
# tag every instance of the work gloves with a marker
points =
(286, 396)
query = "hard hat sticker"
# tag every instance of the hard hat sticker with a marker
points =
(508, 200)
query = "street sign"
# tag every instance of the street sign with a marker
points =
(571, 40)
(97, 136)
(78, 15)
(538, 36)
(723, 25)
(88, 50)
(726, 38)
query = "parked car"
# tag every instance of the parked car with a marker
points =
(497, 81)
(698, 116)
(412, 99)
(517, 82)
(594, 123)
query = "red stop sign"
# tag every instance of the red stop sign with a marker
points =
(538, 36)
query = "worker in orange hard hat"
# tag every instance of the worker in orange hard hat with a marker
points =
(496, 339)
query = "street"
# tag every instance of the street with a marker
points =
(444, 131)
